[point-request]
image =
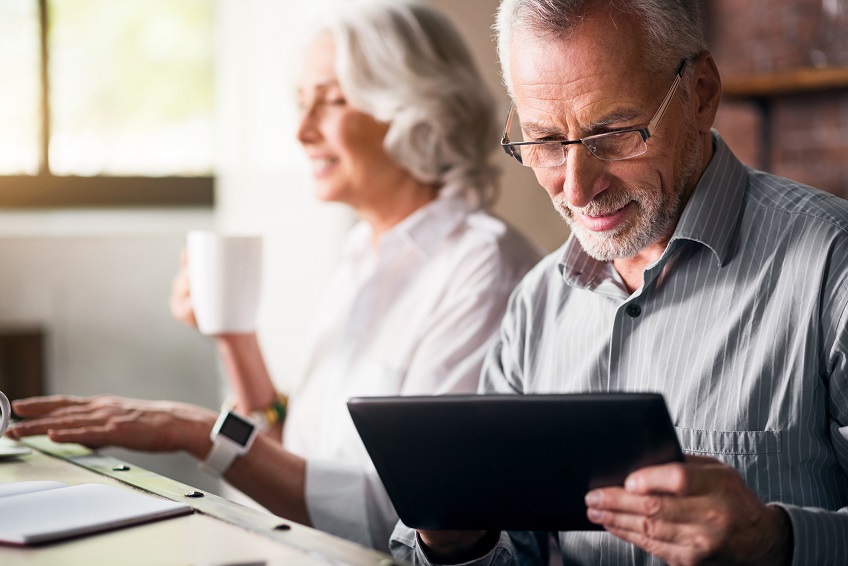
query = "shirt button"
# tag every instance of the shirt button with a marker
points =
(634, 310)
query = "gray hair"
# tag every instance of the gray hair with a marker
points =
(405, 63)
(672, 27)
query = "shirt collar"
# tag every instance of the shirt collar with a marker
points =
(710, 217)
(420, 232)
(712, 214)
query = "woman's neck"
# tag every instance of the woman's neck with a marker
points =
(405, 199)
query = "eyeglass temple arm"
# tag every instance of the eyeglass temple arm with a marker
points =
(658, 116)
(508, 125)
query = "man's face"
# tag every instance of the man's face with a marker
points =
(594, 81)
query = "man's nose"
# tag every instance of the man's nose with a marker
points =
(583, 176)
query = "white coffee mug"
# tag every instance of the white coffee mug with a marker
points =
(6, 410)
(225, 276)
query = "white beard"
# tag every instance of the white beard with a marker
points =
(655, 216)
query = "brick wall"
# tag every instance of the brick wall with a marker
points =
(802, 136)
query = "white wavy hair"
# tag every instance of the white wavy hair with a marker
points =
(672, 28)
(404, 63)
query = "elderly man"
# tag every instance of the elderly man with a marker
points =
(722, 287)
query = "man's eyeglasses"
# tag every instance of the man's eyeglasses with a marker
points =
(611, 146)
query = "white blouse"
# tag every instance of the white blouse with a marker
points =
(412, 316)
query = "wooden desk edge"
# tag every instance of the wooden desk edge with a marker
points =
(339, 552)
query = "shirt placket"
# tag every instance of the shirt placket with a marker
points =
(629, 317)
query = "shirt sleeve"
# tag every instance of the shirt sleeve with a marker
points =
(449, 356)
(500, 374)
(350, 502)
(820, 535)
(504, 365)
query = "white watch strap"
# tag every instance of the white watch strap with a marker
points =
(221, 456)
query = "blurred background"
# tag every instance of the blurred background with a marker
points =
(125, 124)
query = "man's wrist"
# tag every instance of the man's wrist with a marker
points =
(464, 547)
(783, 548)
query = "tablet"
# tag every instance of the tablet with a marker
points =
(509, 462)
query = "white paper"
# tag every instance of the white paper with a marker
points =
(58, 512)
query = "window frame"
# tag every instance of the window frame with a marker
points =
(46, 190)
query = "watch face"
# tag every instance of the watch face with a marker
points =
(236, 429)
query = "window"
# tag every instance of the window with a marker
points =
(106, 103)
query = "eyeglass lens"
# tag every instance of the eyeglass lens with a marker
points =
(611, 146)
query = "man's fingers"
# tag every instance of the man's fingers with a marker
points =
(615, 506)
(697, 459)
(672, 552)
(655, 516)
(691, 478)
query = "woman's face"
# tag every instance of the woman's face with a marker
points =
(344, 145)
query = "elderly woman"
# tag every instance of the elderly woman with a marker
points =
(399, 126)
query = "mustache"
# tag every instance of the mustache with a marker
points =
(602, 204)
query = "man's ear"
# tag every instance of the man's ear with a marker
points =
(706, 91)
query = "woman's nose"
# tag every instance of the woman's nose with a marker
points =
(307, 129)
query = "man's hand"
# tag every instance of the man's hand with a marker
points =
(698, 512)
(151, 426)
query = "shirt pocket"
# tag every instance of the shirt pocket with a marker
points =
(719, 443)
(756, 454)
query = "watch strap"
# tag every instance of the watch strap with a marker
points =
(231, 437)
(265, 418)
(221, 457)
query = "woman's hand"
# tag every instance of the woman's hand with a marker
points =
(180, 301)
(149, 426)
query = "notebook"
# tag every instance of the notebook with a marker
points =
(510, 462)
(36, 512)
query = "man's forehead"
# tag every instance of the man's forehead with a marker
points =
(580, 69)
(570, 58)
(602, 42)
(546, 75)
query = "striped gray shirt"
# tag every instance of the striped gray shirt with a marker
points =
(742, 324)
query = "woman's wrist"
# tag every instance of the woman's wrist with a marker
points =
(246, 372)
(230, 341)
(197, 423)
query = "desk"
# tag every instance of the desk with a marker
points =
(219, 533)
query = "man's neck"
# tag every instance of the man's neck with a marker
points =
(632, 269)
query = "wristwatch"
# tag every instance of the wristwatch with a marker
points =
(232, 436)
(264, 418)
